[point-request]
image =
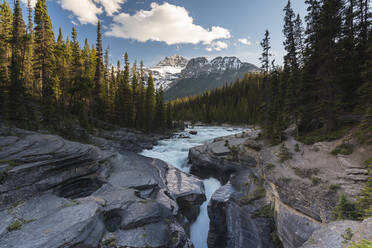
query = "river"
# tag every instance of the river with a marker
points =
(175, 152)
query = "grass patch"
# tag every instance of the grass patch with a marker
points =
(319, 135)
(258, 193)
(297, 148)
(334, 187)
(16, 225)
(345, 209)
(264, 212)
(284, 179)
(368, 163)
(284, 153)
(11, 163)
(362, 244)
(344, 149)
(315, 180)
(269, 166)
(111, 242)
(234, 153)
(306, 173)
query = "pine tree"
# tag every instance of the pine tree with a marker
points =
(299, 40)
(17, 108)
(28, 64)
(135, 94)
(290, 59)
(150, 103)
(159, 120)
(6, 22)
(98, 108)
(265, 56)
(44, 60)
(140, 116)
(127, 91)
(169, 117)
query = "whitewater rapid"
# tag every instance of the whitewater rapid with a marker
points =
(175, 152)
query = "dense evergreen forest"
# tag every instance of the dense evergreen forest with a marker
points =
(324, 84)
(48, 83)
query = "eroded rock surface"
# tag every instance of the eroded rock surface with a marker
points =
(303, 188)
(56, 193)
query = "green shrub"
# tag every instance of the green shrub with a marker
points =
(226, 143)
(16, 225)
(234, 152)
(285, 179)
(264, 212)
(344, 149)
(315, 180)
(319, 135)
(306, 173)
(11, 163)
(334, 187)
(269, 166)
(364, 202)
(345, 209)
(258, 193)
(362, 244)
(284, 153)
(297, 148)
(347, 236)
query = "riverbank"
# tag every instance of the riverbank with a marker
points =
(284, 193)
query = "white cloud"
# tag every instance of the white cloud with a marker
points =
(33, 3)
(111, 6)
(166, 23)
(85, 10)
(217, 46)
(245, 41)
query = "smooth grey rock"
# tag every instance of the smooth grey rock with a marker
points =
(330, 235)
(71, 226)
(214, 158)
(68, 194)
(232, 224)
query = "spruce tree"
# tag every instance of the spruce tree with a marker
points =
(140, 106)
(299, 40)
(44, 60)
(127, 93)
(290, 59)
(28, 64)
(159, 120)
(17, 108)
(265, 56)
(150, 103)
(135, 94)
(6, 22)
(98, 108)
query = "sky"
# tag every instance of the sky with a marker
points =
(149, 30)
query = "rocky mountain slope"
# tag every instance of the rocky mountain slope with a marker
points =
(201, 75)
(266, 194)
(56, 193)
(180, 77)
(168, 71)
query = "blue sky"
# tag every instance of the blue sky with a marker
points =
(190, 28)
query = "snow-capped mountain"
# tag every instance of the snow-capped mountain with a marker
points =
(201, 65)
(167, 71)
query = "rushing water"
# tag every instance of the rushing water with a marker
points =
(175, 151)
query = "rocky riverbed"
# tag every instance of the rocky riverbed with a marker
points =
(57, 193)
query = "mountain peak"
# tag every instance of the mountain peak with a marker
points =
(174, 61)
